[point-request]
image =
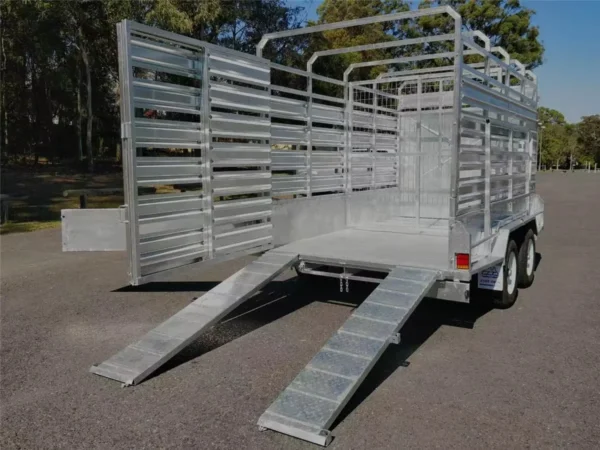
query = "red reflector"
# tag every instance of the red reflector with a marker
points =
(463, 261)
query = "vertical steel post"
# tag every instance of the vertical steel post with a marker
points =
(129, 149)
(398, 135)
(206, 157)
(309, 89)
(455, 149)
(510, 168)
(440, 123)
(350, 125)
(418, 155)
(487, 220)
(373, 137)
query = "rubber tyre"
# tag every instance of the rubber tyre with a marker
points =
(506, 299)
(526, 260)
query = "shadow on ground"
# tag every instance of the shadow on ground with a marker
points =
(285, 297)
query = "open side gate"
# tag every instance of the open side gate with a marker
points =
(196, 156)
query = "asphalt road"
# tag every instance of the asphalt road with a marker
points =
(463, 377)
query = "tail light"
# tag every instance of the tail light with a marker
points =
(463, 261)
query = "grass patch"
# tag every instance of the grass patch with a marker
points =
(37, 195)
(24, 227)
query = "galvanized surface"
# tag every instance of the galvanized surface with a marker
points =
(92, 230)
(438, 152)
(195, 129)
(391, 243)
(137, 361)
(309, 405)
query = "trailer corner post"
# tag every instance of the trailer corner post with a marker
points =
(129, 150)
(419, 155)
(487, 221)
(309, 146)
(207, 163)
(454, 173)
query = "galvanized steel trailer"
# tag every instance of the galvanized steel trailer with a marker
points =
(421, 180)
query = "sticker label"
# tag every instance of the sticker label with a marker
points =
(491, 278)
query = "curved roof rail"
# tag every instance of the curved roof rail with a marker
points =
(363, 21)
(377, 46)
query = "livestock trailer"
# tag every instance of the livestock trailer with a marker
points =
(420, 180)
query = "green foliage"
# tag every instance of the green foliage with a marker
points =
(548, 116)
(588, 138)
(562, 143)
(59, 96)
(337, 10)
(506, 22)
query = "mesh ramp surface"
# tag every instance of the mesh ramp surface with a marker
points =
(310, 404)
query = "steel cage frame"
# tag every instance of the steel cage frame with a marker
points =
(491, 66)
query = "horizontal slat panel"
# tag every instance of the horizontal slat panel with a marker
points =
(240, 178)
(288, 133)
(177, 258)
(327, 114)
(287, 107)
(163, 171)
(193, 220)
(239, 125)
(242, 234)
(151, 132)
(169, 203)
(177, 101)
(242, 189)
(259, 244)
(239, 69)
(222, 94)
(333, 136)
(160, 60)
(243, 211)
(175, 241)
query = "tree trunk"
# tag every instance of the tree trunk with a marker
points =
(90, 116)
(79, 116)
(4, 118)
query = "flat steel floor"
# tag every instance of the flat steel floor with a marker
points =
(392, 243)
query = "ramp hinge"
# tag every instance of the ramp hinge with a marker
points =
(395, 338)
(126, 130)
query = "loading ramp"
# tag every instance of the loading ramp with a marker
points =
(310, 404)
(138, 361)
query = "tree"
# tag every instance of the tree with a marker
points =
(337, 10)
(59, 73)
(548, 116)
(506, 22)
(588, 137)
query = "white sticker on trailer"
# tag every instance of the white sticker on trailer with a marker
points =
(491, 278)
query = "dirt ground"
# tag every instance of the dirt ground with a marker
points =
(463, 377)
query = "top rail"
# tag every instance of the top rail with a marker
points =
(356, 22)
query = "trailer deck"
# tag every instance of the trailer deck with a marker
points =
(385, 245)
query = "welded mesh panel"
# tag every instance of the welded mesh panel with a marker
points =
(373, 138)
(425, 115)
